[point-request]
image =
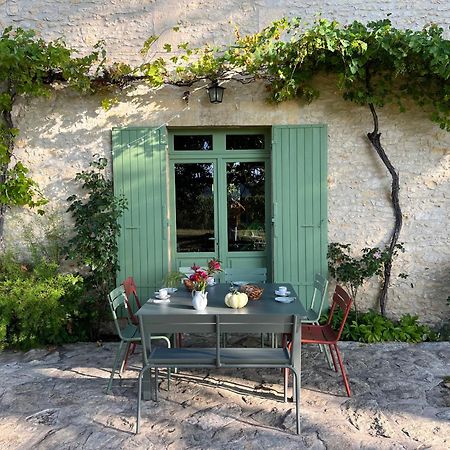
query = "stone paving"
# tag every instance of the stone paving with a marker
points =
(55, 399)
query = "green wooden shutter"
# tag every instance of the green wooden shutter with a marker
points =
(299, 172)
(139, 173)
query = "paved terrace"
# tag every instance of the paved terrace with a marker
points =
(54, 399)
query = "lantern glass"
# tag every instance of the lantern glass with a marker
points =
(215, 93)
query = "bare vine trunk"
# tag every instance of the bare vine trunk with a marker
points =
(374, 138)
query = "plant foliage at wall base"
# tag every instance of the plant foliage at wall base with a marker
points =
(371, 327)
(38, 305)
(94, 245)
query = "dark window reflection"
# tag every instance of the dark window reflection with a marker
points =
(194, 207)
(193, 142)
(246, 206)
(245, 141)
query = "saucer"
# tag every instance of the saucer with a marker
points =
(284, 299)
(282, 295)
(239, 283)
(161, 298)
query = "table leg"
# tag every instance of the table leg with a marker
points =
(146, 381)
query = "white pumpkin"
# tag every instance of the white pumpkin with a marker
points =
(236, 299)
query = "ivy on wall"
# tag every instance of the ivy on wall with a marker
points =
(375, 64)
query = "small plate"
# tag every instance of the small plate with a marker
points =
(284, 299)
(282, 295)
(239, 283)
(161, 298)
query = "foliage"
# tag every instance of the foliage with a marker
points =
(172, 279)
(354, 271)
(94, 244)
(401, 64)
(28, 65)
(372, 327)
(38, 306)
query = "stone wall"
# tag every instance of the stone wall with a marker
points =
(59, 135)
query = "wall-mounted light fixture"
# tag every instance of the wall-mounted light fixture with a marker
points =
(215, 92)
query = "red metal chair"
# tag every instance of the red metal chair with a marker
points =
(326, 335)
(130, 290)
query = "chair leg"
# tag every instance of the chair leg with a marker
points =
(286, 382)
(114, 368)
(296, 394)
(344, 375)
(130, 349)
(333, 358)
(326, 351)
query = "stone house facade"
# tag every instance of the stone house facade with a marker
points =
(59, 135)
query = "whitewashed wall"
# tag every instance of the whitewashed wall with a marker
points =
(59, 135)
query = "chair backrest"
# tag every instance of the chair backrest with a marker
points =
(185, 270)
(342, 301)
(255, 275)
(131, 291)
(319, 294)
(216, 325)
(117, 299)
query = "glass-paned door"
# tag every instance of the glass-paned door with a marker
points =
(219, 186)
(194, 204)
(246, 218)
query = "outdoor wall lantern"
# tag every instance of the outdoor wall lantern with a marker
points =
(215, 92)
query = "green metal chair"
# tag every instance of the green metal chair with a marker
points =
(254, 275)
(318, 300)
(315, 310)
(128, 334)
(313, 314)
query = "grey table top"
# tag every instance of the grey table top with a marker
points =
(181, 303)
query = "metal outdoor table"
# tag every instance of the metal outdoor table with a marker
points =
(180, 306)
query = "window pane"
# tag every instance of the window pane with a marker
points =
(246, 206)
(194, 207)
(192, 142)
(245, 141)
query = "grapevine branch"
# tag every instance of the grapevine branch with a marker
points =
(374, 138)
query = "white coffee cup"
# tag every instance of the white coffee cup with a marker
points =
(163, 293)
(282, 290)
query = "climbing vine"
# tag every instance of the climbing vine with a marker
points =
(28, 66)
(374, 64)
